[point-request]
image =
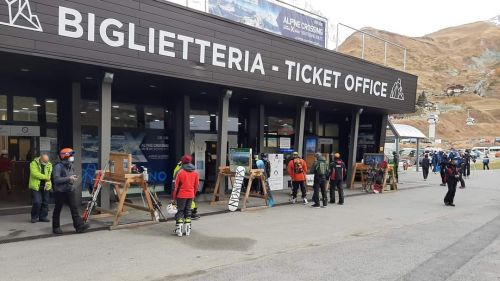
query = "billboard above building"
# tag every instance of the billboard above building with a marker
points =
(274, 17)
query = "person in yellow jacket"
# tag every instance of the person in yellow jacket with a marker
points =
(194, 209)
(40, 185)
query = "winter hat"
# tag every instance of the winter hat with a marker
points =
(186, 159)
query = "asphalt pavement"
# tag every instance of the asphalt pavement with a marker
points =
(403, 235)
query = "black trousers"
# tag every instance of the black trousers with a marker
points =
(425, 172)
(183, 210)
(295, 188)
(336, 184)
(39, 203)
(452, 188)
(486, 166)
(69, 199)
(442, 173)
(466, 170)
(320, 185)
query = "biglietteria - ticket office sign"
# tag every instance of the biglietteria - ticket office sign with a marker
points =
(116, 33)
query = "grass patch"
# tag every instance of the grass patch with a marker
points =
(493, 165)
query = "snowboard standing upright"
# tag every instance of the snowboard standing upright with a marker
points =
(234, 200)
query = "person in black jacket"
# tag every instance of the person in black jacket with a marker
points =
(64, 192)
(442, 165)
(336, 173)
(452, 178)
(426, 163)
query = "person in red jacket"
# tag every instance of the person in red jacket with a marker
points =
(186, 185)
(297, 169)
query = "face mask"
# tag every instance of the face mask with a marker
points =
(71, 159)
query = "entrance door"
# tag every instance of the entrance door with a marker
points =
(21, 151)
(210, 163)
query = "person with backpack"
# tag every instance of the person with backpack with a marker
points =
(186, 185)
(320, 171)
(297, 168)
(337, 172)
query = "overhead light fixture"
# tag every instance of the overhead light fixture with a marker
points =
(191, 117)
(266, 125)
(97, 109)
(108, 77)
(116, 118)
(208, 121)
(131, 116)
(24, 108)
(212, 115)
(50, 101)
(166, 111)
(115, 106)
(149, 113)
(83, 112)
(157, 120)
(36, 105)
(284, 124)
(239, 123)
(89, 78)
(25, 69)
(16, 111)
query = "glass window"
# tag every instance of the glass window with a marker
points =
(280, 126)
(52, 138)
(51, 110)
(331, 130)
(89, 110)
(154, 117)
(123, 115)
(3, 107)
(25, 109)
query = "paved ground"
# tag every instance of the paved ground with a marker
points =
(405, 235)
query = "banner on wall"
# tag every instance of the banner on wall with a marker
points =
(276, 177)
(150, 149)
(274, 17)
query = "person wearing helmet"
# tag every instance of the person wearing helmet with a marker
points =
(64, 192)
(297, 169)
(442, 170)
(186, 184)
(194, 208)
(336, 174)
(40, 185)
(320, 171)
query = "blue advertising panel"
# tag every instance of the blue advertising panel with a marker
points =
(273, 17)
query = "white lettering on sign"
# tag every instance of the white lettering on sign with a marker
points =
(165, 43)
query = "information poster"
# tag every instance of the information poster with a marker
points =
(276, 177)
(285, 143)
(240, 157)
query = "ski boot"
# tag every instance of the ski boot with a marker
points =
(187, 228)
(325, 203)
(304, 201)
(178, 229)
(293, 200)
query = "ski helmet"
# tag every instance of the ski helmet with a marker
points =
(66, 153)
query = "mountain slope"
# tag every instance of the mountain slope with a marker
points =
(467, 55)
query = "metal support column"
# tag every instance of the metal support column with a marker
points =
(222, 134)
(299, 136)
(76, 125)
(383, 129)
(262, 129)
(105, 131)
(353, 144)
(418, 154)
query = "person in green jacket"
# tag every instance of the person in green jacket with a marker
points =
(40, 185)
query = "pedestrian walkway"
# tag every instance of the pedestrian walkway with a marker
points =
(17, 227)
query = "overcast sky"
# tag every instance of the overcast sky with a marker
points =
(411, 18)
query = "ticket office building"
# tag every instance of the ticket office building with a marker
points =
(158, 80)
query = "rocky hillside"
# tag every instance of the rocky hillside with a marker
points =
(466, 55)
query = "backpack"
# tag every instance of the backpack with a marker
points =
(321, 169)
(297, 166)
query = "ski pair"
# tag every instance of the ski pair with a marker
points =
(95, 193)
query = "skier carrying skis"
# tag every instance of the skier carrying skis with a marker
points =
(186, 184)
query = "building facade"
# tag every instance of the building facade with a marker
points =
(159, 80)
